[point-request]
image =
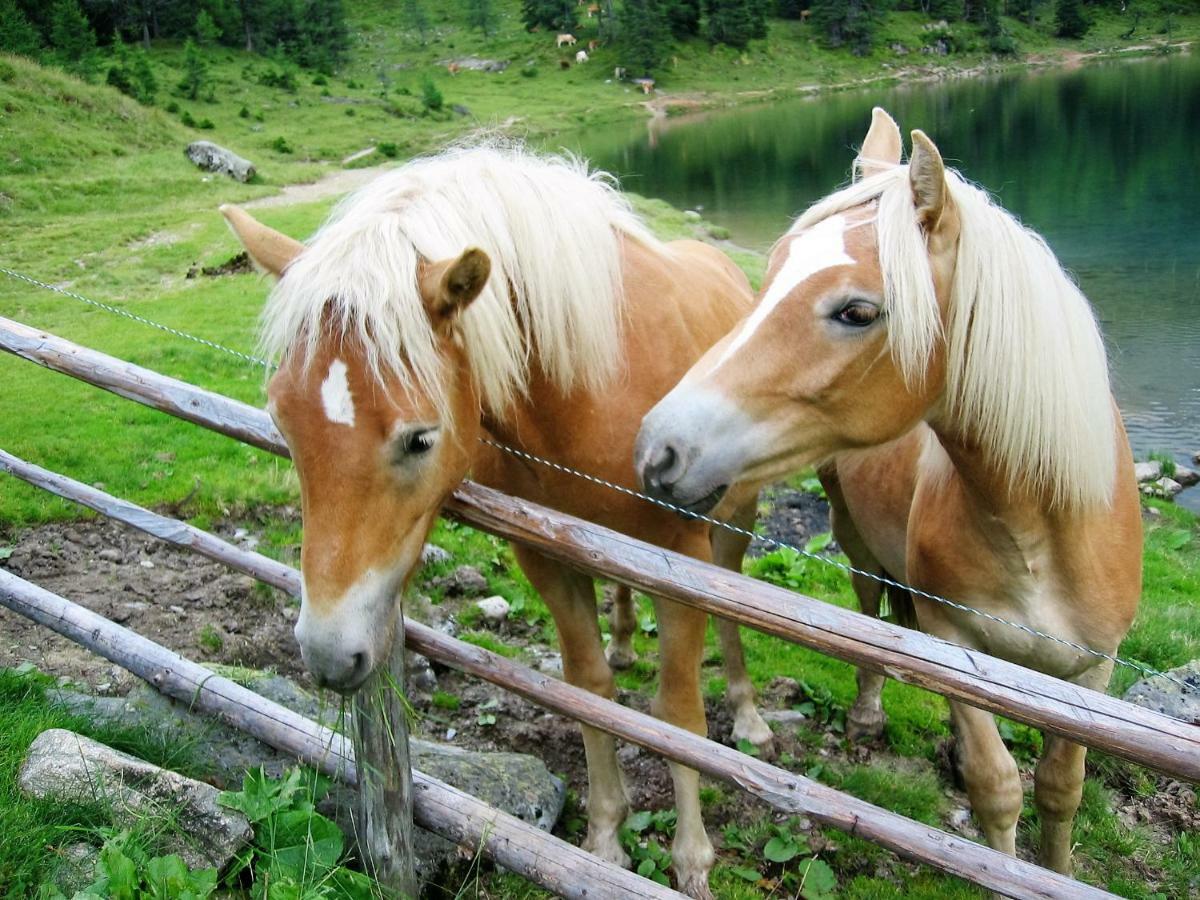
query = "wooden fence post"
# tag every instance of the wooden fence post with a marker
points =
(384, 814)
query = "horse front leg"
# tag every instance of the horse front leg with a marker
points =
(1058, 784)
(678, 701)
(990, 772)
(729, 548)
(571, 598)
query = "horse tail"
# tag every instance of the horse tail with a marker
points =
(902, 610)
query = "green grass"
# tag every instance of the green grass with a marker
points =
(31, 831)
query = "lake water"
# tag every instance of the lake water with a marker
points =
(1103, 161)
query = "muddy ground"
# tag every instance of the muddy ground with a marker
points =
(205, 612)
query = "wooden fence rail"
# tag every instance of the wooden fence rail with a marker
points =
(1082, 715)
(526, 849)
(783, 790)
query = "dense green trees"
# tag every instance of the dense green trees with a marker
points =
(558, 16)
(481, 15)
(849, 23)
(1070, 21)
(644, 29)
(735, 22)
(312, 32)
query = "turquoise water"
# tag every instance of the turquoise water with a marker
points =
(1104, 161)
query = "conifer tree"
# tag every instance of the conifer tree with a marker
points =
(481, 15)
(1070, 20)
(683, 17)
(850, 23)
(72, 37)
(206, 29)
(645, 31)
(195, 71)
(17, 34)
(735, 22)
(559, 16)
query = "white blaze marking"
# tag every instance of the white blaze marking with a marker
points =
(819, 248)
(335, 395)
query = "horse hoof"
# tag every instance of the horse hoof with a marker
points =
(865, 728)
(620, 657)
(759, 734)
(608, 848)
(695, 886)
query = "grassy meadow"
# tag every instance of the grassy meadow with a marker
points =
(96, 196)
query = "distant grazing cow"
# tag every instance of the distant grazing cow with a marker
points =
(592, 45)
(619, 73)
(805, 14)
(452, 68)
(593, 9)
(581, 57)
(568, 39)
(646, 84)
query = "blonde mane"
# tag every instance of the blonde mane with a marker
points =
(553, 231)
(1026, 369)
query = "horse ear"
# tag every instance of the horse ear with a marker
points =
(269, 249)
(882, 147)
(449, 286)
(927, 176)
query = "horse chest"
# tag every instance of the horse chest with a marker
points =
(1031, 598)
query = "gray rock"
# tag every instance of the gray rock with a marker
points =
(213, 158)
(432, 553)
(1147, 471)
(551, 664)
(76, 868)
(495, 609)
(784, 716)
(465, 581)
(1178, 696)
(69, 767)
(1185, 476)
(1164, 487)
(420, 673)
(480, 65)
(518, 784)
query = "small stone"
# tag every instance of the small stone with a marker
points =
(451, 733)
(432, 553)
(959, 819)
(784, 716)
(420, 673)
(1177, 696)
(464, 582)
(69, 767)
(1185, 476)
(1168, 486)
(551, 665)
(495, 609)
(146, 564)
(110, 554)
(1147, 471)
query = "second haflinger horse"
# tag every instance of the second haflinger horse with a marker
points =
(933, 354)
(492, 292)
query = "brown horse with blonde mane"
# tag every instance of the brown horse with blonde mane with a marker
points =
(933, 355)
(490, 292)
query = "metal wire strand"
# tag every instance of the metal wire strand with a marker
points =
(1143, 670)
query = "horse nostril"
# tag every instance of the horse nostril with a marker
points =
(662, 470)
(358, 663)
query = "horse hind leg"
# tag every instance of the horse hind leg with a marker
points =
(1058, 785)
(866, 719)
(748, 725)
(571, 598)
(621, 624)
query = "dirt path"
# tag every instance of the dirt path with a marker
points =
(336, 183)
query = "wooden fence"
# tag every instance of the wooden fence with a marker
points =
(1082, 715)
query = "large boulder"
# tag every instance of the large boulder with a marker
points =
(1178, 696)
(214, 158)
(68, 767)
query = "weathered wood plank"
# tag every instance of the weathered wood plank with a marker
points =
(781, 789)
(473, 824)
(1082, 715)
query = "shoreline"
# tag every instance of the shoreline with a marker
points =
(687, 103)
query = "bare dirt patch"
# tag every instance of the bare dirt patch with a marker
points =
(195, 607)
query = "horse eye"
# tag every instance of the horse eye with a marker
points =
(857, 314)
(417, 441)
